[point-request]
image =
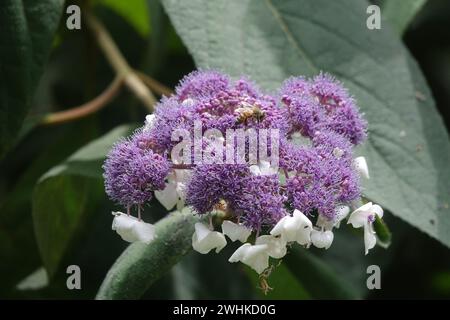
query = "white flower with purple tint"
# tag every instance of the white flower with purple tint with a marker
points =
(364, 216)
(174, 193)
(132, 229)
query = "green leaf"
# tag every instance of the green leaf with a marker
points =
(408, 148)
(135, 12)
(400, 13)
(62, 194)
(140, 265)
(26, 32)
(383, 234)
(35, 281)
(319, 279)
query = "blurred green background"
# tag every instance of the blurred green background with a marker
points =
(415, 265)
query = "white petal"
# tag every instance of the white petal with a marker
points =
(168, 197)
(266, 169)
(263, 168)
(131, 229)
(341, 213)
(149, 122)
(204, 240)
(235, 231)
(255, 170)
(144, 232)
(360, 165)
(287, 228)
(276, 247)
(304, 231)
(304, 221)
(304, 235)
(255, 256)
(239, 253)
(278, 229)
(123, 225)
(322, 239)
(369, 238)
(295, 228)
(358, 218)
(377, 210)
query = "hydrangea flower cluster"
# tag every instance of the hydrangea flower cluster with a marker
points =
(310, 190)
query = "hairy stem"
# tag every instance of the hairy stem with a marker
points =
(118, 62)
(85, 109)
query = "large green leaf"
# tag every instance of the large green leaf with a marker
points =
(62, 194)
(408, 150)
(400, 13)
(26, 32)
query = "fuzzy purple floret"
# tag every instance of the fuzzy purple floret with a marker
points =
(211, 183)
(132, 173)
(320, 176)
(260, 203)
(322, 104)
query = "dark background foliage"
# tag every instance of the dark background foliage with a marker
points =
(415, 266)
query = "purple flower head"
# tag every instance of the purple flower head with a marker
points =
(322, 104)
(319, 124)
(260, 203)
(200, 84)
(340, 108)
(132, 173)
(322, 176)
(211, 183)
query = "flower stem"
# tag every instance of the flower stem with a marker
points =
(85, 109)
(118, 62)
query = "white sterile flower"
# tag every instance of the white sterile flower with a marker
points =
(235, 231)
(276, 247)
(340, 214)
(149, 122)
(132, 229)
(174, 192)
(360, 165)
(364, 216)
(263, 168)
(294, 228)
(322, 238)
(205, 239)
(255, 256)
